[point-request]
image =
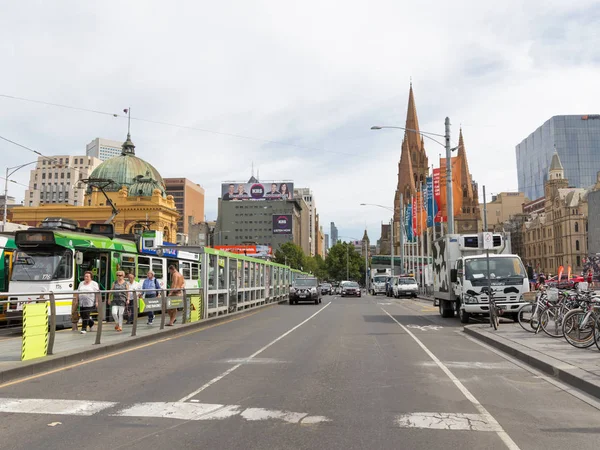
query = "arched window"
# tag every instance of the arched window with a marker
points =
(577, 245)
(576, 227)
(166, 234)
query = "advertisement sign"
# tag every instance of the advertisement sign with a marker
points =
(275, 190)
(436, 195)
(282, 224)
(247, 250)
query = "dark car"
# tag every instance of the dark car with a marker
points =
(305, 290)
(326, 289)
(351, 288)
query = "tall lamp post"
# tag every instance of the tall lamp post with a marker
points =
(392, 234)
(449, 150)
(366, 260)
(9, 172)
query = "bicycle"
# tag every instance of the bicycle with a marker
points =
(579, 325)
(495, 310)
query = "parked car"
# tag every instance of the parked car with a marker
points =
(305, 290)
(564, 282)
(351, 288)
(326, 289)
(405, 286)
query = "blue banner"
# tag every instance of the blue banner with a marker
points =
(408, 220)
(429, 203)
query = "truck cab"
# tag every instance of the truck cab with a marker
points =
(461, 266)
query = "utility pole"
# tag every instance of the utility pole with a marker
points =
(392, 246)
(487, 251)
(366, 266)
(347, 266)
(449, 196)
(423, 235)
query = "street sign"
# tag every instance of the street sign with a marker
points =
(488, 240)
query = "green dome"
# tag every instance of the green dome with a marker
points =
(139, 176)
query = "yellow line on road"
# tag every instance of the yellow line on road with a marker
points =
(429, 309)
(100, 358)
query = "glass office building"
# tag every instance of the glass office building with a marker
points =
(577, 141)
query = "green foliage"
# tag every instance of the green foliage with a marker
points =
(291, 255)
(344, 262)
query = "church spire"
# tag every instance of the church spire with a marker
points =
(412, 123)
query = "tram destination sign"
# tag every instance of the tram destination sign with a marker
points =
(272, 190)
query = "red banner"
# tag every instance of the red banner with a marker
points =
(436, 195)
(414, 215)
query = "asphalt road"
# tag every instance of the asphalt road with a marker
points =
(368, 373)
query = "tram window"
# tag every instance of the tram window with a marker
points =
(221, 273)
(128, 264)
(157, 268)
(143, 266)
(195, 271)
(186, 270)
(212, 262)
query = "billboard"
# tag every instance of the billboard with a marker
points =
(248, 250)
(282, 224)
(275, 190)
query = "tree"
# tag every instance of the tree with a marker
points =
(344, 262)
(291, 255)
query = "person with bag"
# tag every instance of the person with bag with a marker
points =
(119, 299)
(134, 288)
(87, 299)
(150, 283)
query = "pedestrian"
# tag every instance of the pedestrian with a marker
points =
(134, 289)
(87, 299)
(177, 283)
(590, 280)
(119, 299)
(541, 280)
(150, 283)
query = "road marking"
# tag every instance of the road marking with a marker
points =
(425, 327)
(472, 365)
(161, 410)
(252, 361)
(448, 421)
(54, 406)
(111, 355)
(252, 356)
(484, 412)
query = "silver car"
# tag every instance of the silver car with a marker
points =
(405, 286)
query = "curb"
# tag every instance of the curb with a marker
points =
(54, 362)
(574, 376)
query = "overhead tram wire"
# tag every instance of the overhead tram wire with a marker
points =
(187, 127)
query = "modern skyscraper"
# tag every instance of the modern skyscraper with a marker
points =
(103, 149)
(333, 234)
(576, 139)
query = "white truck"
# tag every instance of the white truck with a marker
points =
(460, 271)
(379, 278)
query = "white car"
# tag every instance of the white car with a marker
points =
(405, 286)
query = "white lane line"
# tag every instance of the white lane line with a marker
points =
(447, 421)
(484, 412)
(52, 406)
(472, 365)
(231, 369)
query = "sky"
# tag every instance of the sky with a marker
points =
(293, 88)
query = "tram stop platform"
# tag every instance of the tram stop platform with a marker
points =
(578, 367)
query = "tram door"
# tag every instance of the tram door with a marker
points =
(233, 280)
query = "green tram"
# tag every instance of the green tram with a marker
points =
(54, 259)
(7, 249)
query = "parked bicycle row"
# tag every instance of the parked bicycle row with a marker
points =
(572, 314)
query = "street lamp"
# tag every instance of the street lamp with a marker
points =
(366, 260)
(392, 234)
(9, 172)
(449, 150)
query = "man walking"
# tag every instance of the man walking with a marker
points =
(153, 287)
(177, 283)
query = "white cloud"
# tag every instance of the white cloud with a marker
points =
(316, 74)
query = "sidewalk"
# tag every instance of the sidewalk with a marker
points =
(554, 356)
(72, 347)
